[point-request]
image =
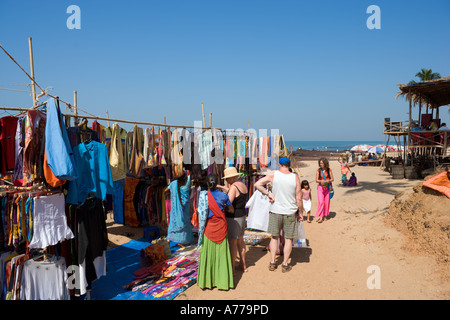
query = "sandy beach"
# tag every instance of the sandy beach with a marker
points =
(369, 225)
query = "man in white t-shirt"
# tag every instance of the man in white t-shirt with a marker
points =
(286, 208)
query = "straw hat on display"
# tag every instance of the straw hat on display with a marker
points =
(230, 173)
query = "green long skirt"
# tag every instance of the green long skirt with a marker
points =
(214, 267)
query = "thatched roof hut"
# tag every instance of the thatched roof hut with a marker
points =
(435, 93)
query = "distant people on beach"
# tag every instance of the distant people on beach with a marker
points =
(286, 209)
(352, 182)
(307, 198)
(345, 169)
(324, 177)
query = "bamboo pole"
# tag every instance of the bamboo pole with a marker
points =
(203, 112)
(33, 83)
(75, 109)
(107, 116)
(116, 120)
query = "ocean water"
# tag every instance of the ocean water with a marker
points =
(328, 145)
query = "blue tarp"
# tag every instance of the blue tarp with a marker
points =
(121, 262)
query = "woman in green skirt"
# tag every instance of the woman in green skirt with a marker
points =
(215, 268)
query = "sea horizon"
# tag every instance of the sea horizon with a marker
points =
(324, 145)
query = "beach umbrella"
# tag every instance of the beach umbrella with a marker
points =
(376, 149)
(394, 148)
(360, 148)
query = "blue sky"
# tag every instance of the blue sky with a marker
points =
(311, 69)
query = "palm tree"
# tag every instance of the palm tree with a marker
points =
(427, 74)
(424, 75)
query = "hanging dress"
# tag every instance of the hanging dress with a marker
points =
(180, 227)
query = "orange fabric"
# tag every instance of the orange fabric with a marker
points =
(48, 174)
(129, 212)
(216, 227)
(439, 182)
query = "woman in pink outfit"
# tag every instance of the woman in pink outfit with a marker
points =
(323, 196)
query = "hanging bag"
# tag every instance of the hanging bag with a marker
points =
(330, 186)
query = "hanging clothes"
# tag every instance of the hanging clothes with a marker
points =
(49, 221)
(177, 156)
(19, 141)
(180, 227)
(44, 280)
(94, 173)
(118, 201)
(33, 153)
(116, 154)
(205, 147)
(59, 151)
(129, 210)
(8, 128)
(92, 241)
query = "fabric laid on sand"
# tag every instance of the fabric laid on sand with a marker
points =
(439, 182)
(128, 280)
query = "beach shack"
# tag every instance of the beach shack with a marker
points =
(425, 145)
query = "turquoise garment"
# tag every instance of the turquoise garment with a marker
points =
(59, 150)
(202, 213)
(180, 227)
(94, 173)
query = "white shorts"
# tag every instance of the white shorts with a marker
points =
(306, 205)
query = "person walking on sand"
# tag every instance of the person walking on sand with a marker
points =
(307, 198)
(238, 194)
(324, 177)
(286, 208)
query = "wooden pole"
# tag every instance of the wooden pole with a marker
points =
(420, 111)
(33, 83)
(203, 112)
(210, 120)
(409, 132)
(107, 116)
(75, 109)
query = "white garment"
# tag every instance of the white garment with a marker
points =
(283, 188)
(44, 281)
(49, 221)
(307, 205)
(205, 147)
(258, 213)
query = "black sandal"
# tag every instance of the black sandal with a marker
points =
(272, 266)
(285, 268)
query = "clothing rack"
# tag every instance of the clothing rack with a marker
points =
(114, 120)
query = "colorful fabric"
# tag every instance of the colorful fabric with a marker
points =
(439, 182)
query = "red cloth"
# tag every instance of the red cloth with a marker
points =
(8, 127)
(216, 227)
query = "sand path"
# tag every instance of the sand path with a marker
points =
(335, 265)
